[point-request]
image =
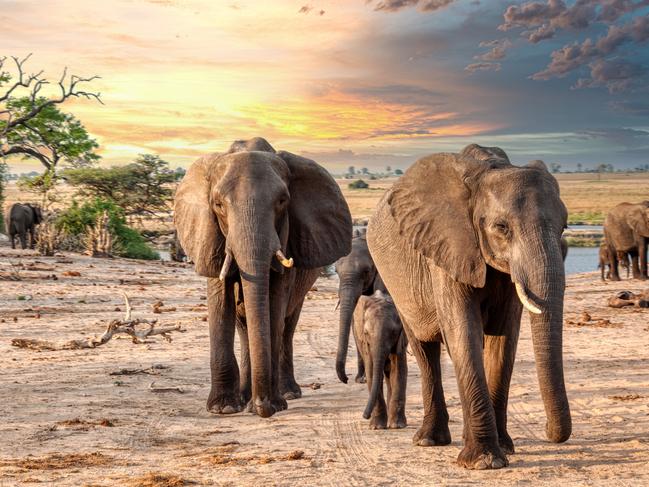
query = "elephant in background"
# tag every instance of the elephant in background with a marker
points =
(463, 242)
(382, 343)
(22, 218)
(358, 276)
(605, 261)
(626, 229)
(239, 215)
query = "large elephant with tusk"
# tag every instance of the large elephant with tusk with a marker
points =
(463, 243)
(259, 224)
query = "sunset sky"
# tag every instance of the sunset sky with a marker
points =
(350, 82)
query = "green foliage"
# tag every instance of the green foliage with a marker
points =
(128, 242)
(50, 136)
(41, 185)
(586, 218)
(358, 184)
(142, 187)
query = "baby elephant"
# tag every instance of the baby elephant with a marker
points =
(382, 343)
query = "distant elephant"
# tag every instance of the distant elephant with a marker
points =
(626, 229)
(176, 252)
(463, 243)
(382, 343)
(22, 218)
(239, 215)
(605, 261)
(358, 276)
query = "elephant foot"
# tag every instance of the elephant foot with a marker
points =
(360, 379)
(378, 422)
(290, 389)
(261, 407)
(506, 443)
(429, 435)
(224, 403)
(482, 457)
(398, 423)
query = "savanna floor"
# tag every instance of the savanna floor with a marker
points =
(66, 420)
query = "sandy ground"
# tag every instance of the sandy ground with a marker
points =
(65, 420)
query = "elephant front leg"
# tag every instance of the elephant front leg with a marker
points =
(360, 375)
(397, 398)
(499, 356)
(288, 386)
(642, 254)
(434, 429)
(245, 386)
(224, 397)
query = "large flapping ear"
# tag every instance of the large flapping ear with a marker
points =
(638, 219)
(431, 205)
(482, 153)
(320, 224)
(198, 229)
(255, 144)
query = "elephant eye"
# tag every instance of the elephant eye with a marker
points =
(501, 227)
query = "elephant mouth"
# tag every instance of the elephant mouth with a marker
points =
(227, 262)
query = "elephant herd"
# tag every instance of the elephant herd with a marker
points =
(626, 231)
(453, 253)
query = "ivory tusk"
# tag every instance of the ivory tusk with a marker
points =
(283, 260)
(226, 265)
(522, 295)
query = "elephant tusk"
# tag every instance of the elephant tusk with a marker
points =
(283, 260)
(527, 304)
(226, 265)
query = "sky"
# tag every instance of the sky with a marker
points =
(367, 83)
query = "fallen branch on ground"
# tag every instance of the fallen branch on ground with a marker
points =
(153, 388)
(115, 327)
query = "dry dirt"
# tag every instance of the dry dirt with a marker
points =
(65, 420)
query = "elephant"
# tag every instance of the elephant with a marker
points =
(382, 343)
(626, 229)
(22, 218)
(358, 276)
(605, 260)
(463, 242)
(238, 215)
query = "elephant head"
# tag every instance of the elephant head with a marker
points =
(358, 276)
(249, 209)
(638, 219)
(467, 213)
(37, 213)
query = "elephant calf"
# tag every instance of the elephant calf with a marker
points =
(382, 343)
(22, 219)
(605, 260)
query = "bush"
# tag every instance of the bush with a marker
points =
(358, 184)
(77, 219)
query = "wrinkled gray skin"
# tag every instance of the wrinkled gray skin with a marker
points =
(626, 229)
(450, 239)
(605, 260)
(249, 203)
(382, 343)
(357, 276)
(21, 219)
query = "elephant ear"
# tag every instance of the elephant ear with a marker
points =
(320, 225)
(198, 229)
(639, 220)
(431, 205)
(482, 153)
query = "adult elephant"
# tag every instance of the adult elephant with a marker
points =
(463, 242)
(238, 216)
(21, 219)
(357, 277)
(626, 230)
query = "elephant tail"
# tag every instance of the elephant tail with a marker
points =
(378, 366)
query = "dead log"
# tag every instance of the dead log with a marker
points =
(126, 326)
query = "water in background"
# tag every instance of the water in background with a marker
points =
(582, 259)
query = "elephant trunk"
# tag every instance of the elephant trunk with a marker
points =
(348, 296)
(544, 283)
(378, 365)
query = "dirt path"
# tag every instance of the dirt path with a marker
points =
(65, 420)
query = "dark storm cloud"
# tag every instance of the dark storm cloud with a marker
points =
(422, 5)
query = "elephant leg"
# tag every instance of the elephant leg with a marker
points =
(23, 240)
(12, 237)
(360, 375)
(288, 386)
(642, 254)
(635, 267)
(224, 397)
(434, 429)
(245, 385)
(397, 387)
(32, 239)
(499, 356)
(614, 275)
(379, 418)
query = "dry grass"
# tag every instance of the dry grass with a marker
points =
(58, 461)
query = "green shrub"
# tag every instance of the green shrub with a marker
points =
(128, 242)
(358, 184)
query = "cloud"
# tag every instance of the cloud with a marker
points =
(637, 108)
(472, 68)
(627, 137)
(498, 50)
(616, 75)
(422, 5)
